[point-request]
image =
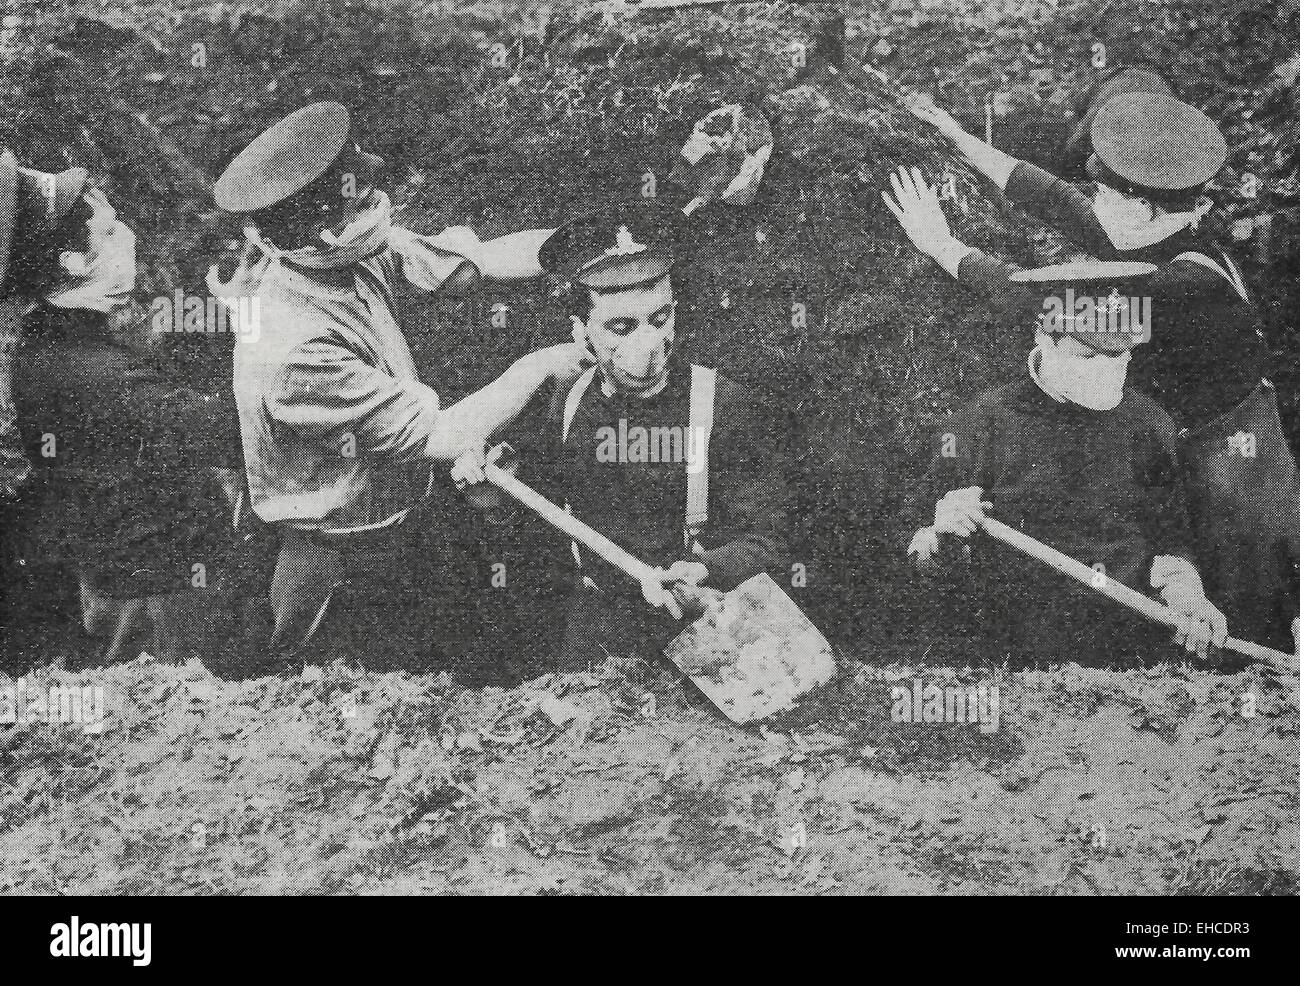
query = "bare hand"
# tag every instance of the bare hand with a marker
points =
(918, 211)
(960, 511)
(489, 499)
(563, 364)
(467, 470)
(1203, 624)
(924, 109)
(659, 596)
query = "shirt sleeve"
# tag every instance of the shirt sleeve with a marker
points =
(959, 458)
(750, 495)
(428, 262)
(1164, 515)
(1053, 202)
(989, 273)
(1060, 205)
(327, 393)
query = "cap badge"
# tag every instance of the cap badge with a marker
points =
(624, 245)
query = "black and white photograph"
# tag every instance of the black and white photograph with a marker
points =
(660, 448)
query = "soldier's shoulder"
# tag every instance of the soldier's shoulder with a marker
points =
(1145, 408)
(999, 399)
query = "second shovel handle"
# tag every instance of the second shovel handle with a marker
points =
(1122, 594)
(1089, 576)
(557, 517)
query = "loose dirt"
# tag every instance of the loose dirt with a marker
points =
(621, 781)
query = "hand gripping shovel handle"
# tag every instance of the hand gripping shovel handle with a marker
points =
(570, 525)
(1122, 594)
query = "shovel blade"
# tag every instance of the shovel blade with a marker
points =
(755, 653)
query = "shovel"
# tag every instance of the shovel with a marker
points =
(1122, 594)
(752, 653)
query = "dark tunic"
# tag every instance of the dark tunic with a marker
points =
(122, 479)
(123, 499)
(1205, 364)
(1207, 349)
(641, 505)
(1101, 486)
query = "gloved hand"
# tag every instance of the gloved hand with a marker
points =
(1206, 625)
(1181, 588)
(467, 470)
(960, 511)
(658, 595)
(690, 572)
(924, 545)
(687, 590)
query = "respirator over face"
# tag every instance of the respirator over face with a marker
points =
(1131, 222)
(102, 278)
(631, 334)
(1070, 371)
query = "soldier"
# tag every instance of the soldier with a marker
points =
(1074, 458)
(341, 438)
(1206, 360)
(1114, 81)
(674, 462)
(122, 493)
(61, 246)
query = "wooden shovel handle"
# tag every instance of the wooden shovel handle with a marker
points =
(570, 525)
(1122, 594)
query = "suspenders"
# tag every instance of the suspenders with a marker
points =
(703, 384)
(1231, 274)
(575, 397)
(570, 409)
(703, 387)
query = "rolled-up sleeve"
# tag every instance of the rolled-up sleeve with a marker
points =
(327, 393)
(430, 262)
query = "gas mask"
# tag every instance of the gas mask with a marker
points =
(1092, 381)
(631, 334)
(1131, 223)
(102, 278)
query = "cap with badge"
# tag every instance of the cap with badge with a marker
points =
(291, 157)
(1154, 145)
(1092, 301)
(618, 247)
(37, 199)
(1118, 81)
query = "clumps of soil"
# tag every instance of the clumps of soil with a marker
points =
(622, 780)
